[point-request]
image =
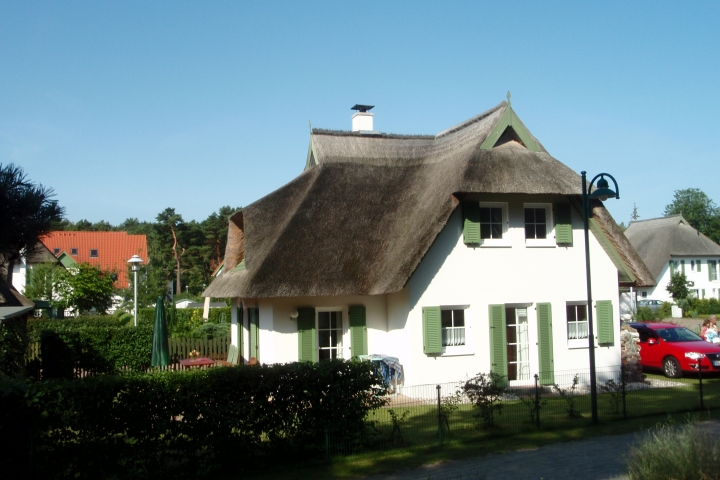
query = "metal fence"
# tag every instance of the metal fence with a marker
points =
(433, 414)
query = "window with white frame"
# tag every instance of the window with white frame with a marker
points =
(493, 223)
(538, 224)
(712, 270)
(577, 321)
(453, 327)
(329, 332)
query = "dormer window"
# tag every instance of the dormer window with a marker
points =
(93, 253)
(74, 252)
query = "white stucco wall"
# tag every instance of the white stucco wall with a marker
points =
(452, 273)
(701, 279)
(19, 279)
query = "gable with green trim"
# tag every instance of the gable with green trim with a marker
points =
(509, 127)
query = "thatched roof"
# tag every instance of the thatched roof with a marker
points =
(658, 239)
(368, 207)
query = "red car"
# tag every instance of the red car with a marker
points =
(675, 349)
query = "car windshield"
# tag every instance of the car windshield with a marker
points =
(680, 334)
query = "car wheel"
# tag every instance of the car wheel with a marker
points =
(671, 368)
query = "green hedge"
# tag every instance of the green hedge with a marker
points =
(705, 306)
(185, 322)
(13, 346)
(92, 344)
(184, 424)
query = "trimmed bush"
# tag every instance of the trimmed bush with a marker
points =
(183, 424)
(671, 452)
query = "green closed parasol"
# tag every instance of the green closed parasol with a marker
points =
(160, 349)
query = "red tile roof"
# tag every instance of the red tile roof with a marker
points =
(114, 249)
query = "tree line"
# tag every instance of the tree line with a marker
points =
(183, 254)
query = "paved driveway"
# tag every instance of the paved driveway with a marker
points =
(598, 458)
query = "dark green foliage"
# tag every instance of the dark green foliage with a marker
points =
(705, 306)
(13, 345)
(182, 424)
(92, 344)
(679, 286)
(645, 314)
(485, 390)
(396, 437)
(698, 209)
(27, 212)
(188, 322)
(83, 288)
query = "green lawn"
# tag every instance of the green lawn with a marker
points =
(512, 429)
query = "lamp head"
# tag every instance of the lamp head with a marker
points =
(603, 190)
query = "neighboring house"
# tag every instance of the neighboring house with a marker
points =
(186, 303)
(457, 253)
(23, 265)
(107, 250)
(13, 304)
(671, 244)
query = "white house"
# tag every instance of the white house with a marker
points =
(457, 253)
(24, 264)
(671, 244)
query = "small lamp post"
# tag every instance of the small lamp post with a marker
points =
(135, 262)
(602, 193)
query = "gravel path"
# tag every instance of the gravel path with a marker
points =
(598, 458)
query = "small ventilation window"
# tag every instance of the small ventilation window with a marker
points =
(56, 251)
(509, 135)
(93, 253)
(73, 251)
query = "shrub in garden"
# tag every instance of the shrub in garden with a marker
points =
(92, 344)
(485, 391)
(669, 452)
(13, 345)
(170, 423)
(568, 394)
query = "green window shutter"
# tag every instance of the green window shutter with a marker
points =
(698, 263)
(545, 344)
(672, 267)
(432, 330)
(498, 341)
(240, 324)
(471, 222)
(306, 334)
(358, 330)
(606, 327)
(254, 328)
(682, 265)
(563, 224)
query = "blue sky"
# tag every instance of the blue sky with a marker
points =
(126, 108)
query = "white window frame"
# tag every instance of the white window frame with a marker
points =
(466, 349)
(496, 242)
(344, 330)
(576, 342)
(549, 240)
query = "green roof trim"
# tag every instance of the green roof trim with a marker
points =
(510, 119)
(66, 260)
(240, 266)
(624, 273)
(311, 155)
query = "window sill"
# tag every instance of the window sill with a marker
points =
(495, 245)
(540, 244)
(457, 352)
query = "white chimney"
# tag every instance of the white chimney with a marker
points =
(362, 120)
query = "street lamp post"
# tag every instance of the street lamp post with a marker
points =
(602, 192)
(135, 261)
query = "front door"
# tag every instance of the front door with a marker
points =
(518, 343)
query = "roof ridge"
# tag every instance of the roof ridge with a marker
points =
(348, 133)
(472, 120)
